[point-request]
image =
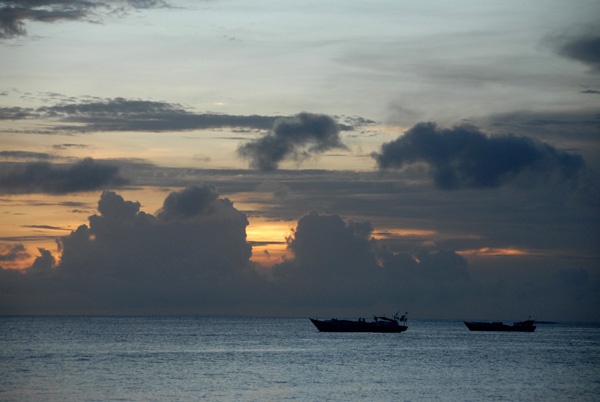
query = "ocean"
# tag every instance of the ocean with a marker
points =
(283, 359)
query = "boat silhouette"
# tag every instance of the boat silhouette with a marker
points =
(379, 324)
(521, 326)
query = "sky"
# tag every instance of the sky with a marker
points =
(314, 158)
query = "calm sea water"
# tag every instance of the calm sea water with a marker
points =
(276, 359)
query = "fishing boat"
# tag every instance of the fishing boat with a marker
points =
(379, 324)
(522, 326)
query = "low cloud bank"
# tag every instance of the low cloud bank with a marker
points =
(193, 258)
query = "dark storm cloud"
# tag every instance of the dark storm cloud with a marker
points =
(188, 203)
(198, 261)
(333, 265)
(464, 157)
(294, 138)
(328, 249)
(44, 177)
(14, 13)
(338, 264)
(127, 261)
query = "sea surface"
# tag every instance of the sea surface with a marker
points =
(281, 359)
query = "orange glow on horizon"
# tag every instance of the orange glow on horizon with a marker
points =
(265, 230)
(269, 238)
(386, 233)
(270, 254)
(493, 252)
(37, 220)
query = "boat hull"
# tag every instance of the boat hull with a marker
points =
(498, 327)
(355, 326)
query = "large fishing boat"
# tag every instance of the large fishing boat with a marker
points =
(522, 326)
(379, 324)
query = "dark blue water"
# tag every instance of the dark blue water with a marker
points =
(276, 359)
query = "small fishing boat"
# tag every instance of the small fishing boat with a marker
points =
(379, 324)
(522, 326)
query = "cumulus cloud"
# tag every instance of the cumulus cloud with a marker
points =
(293, 138)
(188, 203)
(44, 177)
(128, 261)
(207, 244)
(464, 157)
(195, 258)
(339, 265)
(327, 249)
(14, 13)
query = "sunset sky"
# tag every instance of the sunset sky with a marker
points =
(300, 158)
